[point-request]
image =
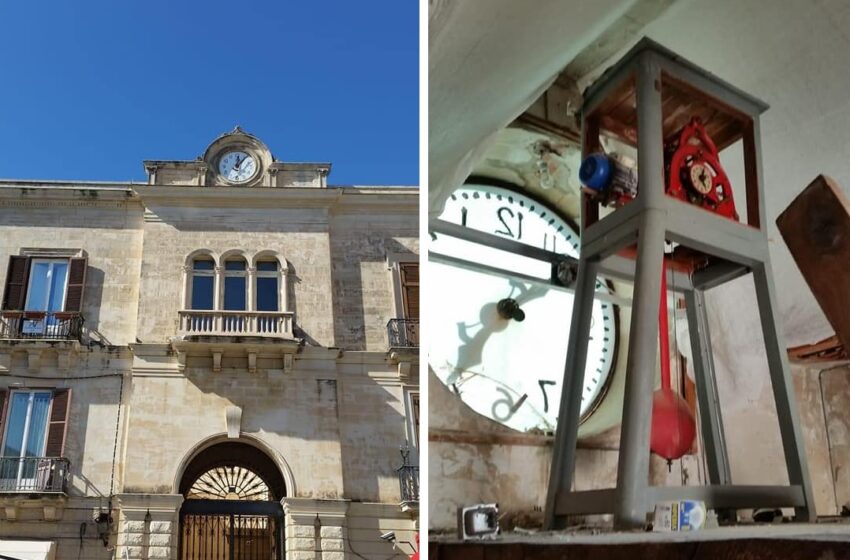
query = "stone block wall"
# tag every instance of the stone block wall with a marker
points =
(298, 236)
(110, 232)
(95, 381)
(362, 280)
(370, 446)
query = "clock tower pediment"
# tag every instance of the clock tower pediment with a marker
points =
(237, 159)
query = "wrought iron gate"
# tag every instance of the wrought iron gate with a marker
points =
(228, 530)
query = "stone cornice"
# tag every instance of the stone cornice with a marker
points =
(301, 166)
(150, 502)
(41, 194)
(339, 201)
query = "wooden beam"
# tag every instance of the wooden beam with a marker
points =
(816, 229)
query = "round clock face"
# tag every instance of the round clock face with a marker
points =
(237, 167)
(507, 369)
(701, 179)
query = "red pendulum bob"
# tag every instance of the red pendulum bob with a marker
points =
(673, 425)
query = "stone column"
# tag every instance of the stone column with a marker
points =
(284, 287)
(148, 526)
(218, 288)
(251, 288)
(184, 301)
(315, 529)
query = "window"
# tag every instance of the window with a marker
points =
(413, 417)
(44, 295)
(203, 282)
(33, 426)
(267, 286)
(46, 290)
(235, 282)
(235, 285)
(44, 284)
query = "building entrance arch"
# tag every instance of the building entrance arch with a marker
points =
(231, 508)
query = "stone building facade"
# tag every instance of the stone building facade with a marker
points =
(220, 363)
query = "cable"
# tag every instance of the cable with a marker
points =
(115, 447)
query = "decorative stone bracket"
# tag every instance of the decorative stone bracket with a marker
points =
(52, 506)
(37, 354)
(218, 350)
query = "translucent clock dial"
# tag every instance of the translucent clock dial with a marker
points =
(504, 369)
(237, 167)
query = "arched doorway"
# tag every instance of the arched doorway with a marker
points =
(231, 508)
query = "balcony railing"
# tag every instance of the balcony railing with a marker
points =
(403, 333)
(269, 324)
(34, 475)
(56, 325)
(408, 480)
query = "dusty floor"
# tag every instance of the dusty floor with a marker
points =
(822, 541)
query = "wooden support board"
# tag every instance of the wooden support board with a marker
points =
(816, 229)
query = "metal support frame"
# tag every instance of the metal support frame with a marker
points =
(650, 219)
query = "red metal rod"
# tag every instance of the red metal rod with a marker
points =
(663, 332)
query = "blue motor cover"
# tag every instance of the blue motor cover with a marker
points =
(595, 172)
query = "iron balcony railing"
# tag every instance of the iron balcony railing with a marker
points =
(408, 481)
(54, 325)
(34, 475)
(269, 324)
(403, 333)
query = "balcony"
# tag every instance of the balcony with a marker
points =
(34, 475)
(403, 333)
(41, 325)
(264, 324)
(408, 480)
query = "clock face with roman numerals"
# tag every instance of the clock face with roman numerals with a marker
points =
(508, 370)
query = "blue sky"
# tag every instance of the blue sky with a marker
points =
(89, 89)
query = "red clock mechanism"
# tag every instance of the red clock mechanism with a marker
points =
(693, 172)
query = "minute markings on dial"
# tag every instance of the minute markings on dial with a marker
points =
(496, 209)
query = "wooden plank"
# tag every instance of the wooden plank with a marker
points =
(816, 229)
(744, 549)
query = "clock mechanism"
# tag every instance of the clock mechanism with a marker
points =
(692, 173)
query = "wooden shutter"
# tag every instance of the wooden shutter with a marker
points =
(58, 425)
(4, 394)
(410, 289)
(76, 284)
(414, 401)
(17, 275)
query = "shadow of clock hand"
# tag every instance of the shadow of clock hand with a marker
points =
(470, 352)
(526, 294)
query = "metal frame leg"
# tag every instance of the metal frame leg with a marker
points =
(566, 436)
(783, 391)
(710, 417)
(633, 467)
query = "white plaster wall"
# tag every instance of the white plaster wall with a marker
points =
(487, 62)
